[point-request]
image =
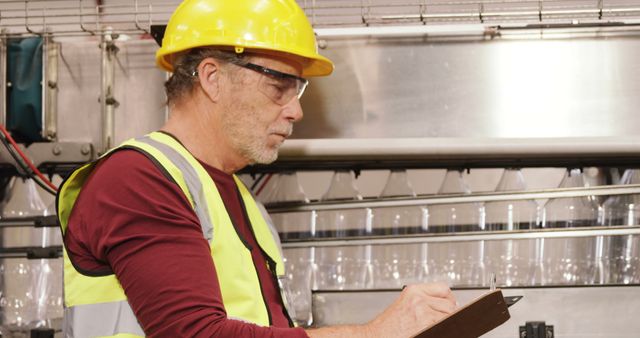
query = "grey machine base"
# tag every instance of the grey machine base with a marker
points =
(574, 312)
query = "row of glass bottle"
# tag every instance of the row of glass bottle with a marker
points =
(515, 262)
(30, 290)
(498, 215)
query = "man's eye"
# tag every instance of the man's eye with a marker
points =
(277, 90)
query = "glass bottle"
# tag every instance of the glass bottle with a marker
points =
(571, 212)
(515, 214)
(20, 302)
(291, 225)
(455, 217)
(624, 210)
(510, 259)
(396, 265)
(464, 262)
(300, 269)
(397, 220)
(345, 222)
(299, 264)
(346, 267)
(571, 260)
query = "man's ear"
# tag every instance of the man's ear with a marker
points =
(209, 77)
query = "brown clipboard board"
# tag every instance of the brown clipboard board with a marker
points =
(473, 320)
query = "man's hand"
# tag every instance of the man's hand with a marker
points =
(418, 307)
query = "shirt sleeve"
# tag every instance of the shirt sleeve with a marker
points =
(132, 220)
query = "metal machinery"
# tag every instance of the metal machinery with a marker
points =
(418, 85)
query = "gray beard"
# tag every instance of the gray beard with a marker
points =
(259, 156)
(257, 153)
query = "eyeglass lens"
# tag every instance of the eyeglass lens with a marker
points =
(281, 90)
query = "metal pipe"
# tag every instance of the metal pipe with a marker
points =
(81, 18)
(3, 81)
(26, 20)
(50, 88)
(393, 31)
(136, 18)
(18, 223)
(90, 15)
(108, 103)
(471, 198)
(448, 148)
(27, 223)
(468, 237)
(569, 13)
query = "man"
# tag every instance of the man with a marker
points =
(161, 239)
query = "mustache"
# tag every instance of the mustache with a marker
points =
(282, 130)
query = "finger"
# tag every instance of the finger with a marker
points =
(452, 298)
(443, 305)
(436, 289)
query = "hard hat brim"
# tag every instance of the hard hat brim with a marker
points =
(316, 66)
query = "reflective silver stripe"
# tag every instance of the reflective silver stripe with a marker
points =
(283, 283)
(100, 320)
(192, 180)
(201, 208)
(108, 319)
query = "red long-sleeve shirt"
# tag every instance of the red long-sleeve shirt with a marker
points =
(133, 221)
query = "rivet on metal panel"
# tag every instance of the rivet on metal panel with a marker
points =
(57, 150)
(86, 149)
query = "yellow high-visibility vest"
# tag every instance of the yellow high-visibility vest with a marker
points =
(96, 306)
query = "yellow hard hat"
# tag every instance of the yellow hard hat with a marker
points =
(270, 25)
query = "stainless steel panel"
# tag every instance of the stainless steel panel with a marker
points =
(526, 88)
(139, 89)
(599, 312)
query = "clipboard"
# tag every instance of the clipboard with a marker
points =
(473, 320)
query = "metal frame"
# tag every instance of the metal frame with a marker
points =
(62, 19)
(604, 190)
(53, 154)
(71, 20)
(374, 12)
(448, 152)
(108, 103)
(468, 237)
(50, 54)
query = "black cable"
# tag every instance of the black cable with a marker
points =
(16, 157)
(257, 181)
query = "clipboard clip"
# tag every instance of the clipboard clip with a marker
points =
(510, 300)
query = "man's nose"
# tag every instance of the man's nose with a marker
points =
(292, 111)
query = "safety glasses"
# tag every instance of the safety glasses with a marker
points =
(280, 87)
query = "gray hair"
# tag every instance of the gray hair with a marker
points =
(182, 80)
